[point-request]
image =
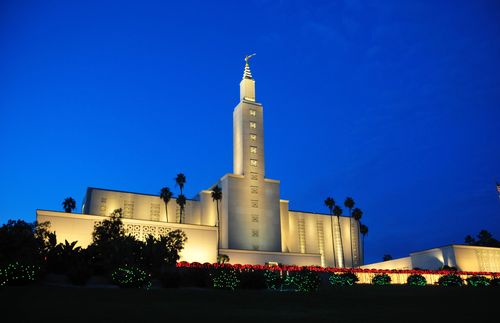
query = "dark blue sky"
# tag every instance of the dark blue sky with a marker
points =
(395, 103)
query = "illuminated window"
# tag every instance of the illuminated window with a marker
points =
(128, 209)
(102, 209)
(253, 125)
(255, 218)
(253, 149)
(253, 137)
(254, 203)
(155, 211)
(252, 112)
(254, 189)
(254, 176)
(255, 233)
(253, 162)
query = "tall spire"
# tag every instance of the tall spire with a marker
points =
(247, 74)
(247, 84)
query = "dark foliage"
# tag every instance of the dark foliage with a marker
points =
(171, 277)
(131, 277)
(344, 279)
(478, 281)
(416, 280)
(450, 280)
(484, 239)
(381, 279)
(252, 279)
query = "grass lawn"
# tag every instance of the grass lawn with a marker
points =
(362, 303)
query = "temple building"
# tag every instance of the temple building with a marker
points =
(256, 225)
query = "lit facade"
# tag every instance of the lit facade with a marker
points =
(462, 257)
(256, 225)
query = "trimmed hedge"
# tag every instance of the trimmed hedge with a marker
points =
(344, 279)
(381, 279)
(478, 281)
(450, 280)
(416, 280)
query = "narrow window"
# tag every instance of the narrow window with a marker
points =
(252, 113)
(255, 233)
(254, 189)
(253, 125)
(253, 137)
(253, 149)
(255, 218)
(253, 162)
(254, 203)
(254, 176)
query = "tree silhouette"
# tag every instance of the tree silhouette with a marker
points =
(217, 196)
(166, 195)
(330, 204)
(69, 204)
(363, 229)
(180, 180)
(181, 201)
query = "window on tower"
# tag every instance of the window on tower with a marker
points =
(254, 203)
(252, 113)
(255, 233)
(255, 218)
(253, 149)
(253, 137)
(253, 125)
(254, 176)
(253, 162)
(254, 189)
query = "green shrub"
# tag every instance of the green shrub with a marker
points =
(273, 279)
(131, 277)
(344, 279)
(416, 280)
(495, 281)
(303, 280)
(225, 278)
(381, 279)
(478, 281)
(20, 274)
(3, 277)
(450, 280)
(252, 279)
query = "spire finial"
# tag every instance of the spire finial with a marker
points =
(247, 74)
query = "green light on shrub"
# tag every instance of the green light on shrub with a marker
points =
(344, 279)
(478, 281)
(416, 280)
(273, 279)
(18, 274)
(381, 279)
(131, 277)
(303, 281)
(450, 280)
(225, 278)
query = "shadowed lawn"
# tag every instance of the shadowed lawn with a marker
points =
(347, 304)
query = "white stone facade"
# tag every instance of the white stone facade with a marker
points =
(256, 226)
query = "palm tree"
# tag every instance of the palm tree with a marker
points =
(337, 211)
(181, 201)
(330, 203)
(69, 204)
(180, 180)
(363, 229)
(166, 195)
(217, 196)
(356, 214)
(349, 203)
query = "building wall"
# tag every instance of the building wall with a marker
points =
(200, 246)
(464, 258)
(263, 257)
(312, 233)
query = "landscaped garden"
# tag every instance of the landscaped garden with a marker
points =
(121, 279)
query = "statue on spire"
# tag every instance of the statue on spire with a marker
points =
(247, 58)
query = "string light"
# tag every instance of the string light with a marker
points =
(131, 277)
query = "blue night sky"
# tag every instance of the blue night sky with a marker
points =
(395, 103)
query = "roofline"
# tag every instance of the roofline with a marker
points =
(344, 216)
(127, 192)
(450, 245)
